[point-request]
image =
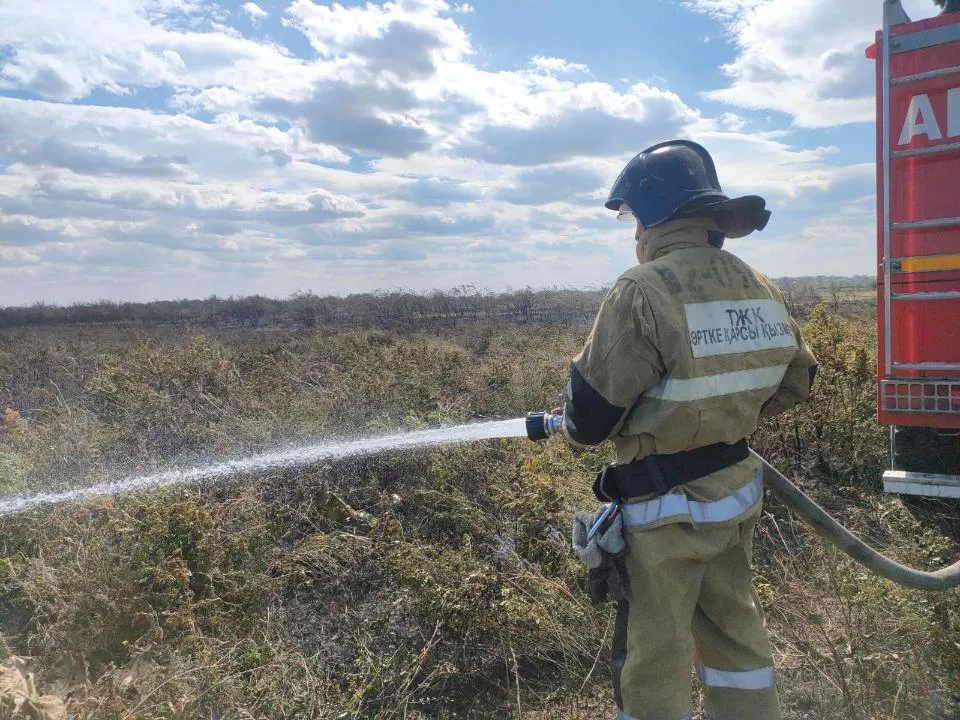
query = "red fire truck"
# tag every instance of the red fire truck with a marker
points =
(918, 248)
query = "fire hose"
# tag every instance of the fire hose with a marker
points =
(543, 425)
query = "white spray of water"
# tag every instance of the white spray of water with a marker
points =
(283, 459)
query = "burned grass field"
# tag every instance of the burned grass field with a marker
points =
(435, 583)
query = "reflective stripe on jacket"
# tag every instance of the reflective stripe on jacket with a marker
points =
(688, 349)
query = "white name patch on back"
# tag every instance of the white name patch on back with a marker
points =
(734, 326)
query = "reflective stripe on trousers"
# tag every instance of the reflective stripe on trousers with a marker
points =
(759, 679)
(676, 503)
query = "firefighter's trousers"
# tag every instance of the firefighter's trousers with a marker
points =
(692, 600)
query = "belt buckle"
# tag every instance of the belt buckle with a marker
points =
(599, 485)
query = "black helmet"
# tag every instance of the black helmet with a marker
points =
(677, 179)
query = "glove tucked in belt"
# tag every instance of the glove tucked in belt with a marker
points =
(602, 555)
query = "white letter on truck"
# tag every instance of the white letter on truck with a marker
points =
(920, 120)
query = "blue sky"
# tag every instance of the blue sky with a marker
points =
(154, 149)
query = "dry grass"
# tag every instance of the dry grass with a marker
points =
(429, 584)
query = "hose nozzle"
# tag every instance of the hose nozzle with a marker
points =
(541, 425)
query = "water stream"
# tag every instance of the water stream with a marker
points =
(281, 459)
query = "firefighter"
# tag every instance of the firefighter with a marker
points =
(688, 349)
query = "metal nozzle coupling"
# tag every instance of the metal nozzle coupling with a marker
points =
(541, 425)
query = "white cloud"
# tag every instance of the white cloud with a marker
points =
(123, 44)
(804, 59)
(844, 242)
(574, 183)
(765, 165)
(210, 201)
(219, 148)
(385, 147)
(558, 65)
(414, 25)
(732, 122)
(254, 11)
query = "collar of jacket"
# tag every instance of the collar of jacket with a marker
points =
(675, 235)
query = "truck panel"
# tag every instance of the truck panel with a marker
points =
(918, 285)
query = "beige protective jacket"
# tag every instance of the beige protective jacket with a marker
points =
(689, 348)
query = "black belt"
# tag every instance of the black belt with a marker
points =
(661, 473)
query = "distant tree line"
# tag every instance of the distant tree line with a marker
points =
(803, 293)
(385, 310)
(824, 282)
